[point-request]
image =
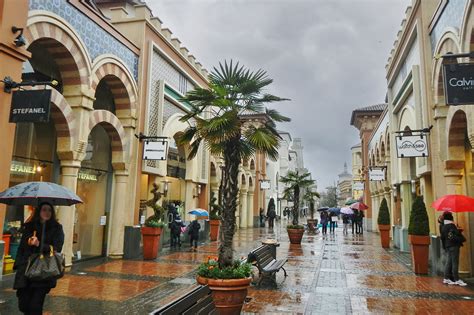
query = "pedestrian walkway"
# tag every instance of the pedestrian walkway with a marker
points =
(326, 275)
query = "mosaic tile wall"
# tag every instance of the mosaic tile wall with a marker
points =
(96, 39)
(451, 17)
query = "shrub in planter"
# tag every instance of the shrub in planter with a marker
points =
(214, 217)
(419, 230)
(384, 224)
(154, 224)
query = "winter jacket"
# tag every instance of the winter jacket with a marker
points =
(175, 227)
(451, 236)
(193, 230)
(54, 236)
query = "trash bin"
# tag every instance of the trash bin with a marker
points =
(273, 244)
(131, 244)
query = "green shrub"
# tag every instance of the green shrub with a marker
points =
(299, 227)
(238, 270)
(419, 222)
(154, 223)
(384, 214)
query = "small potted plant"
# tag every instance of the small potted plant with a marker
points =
(228, 285)
(419, 230)
(383, 221)
(214, 217)
(309, 197)
(294, 183)
(154, 224)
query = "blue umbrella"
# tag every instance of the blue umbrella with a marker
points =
(199, 212)
(335, 211)
(35, 193)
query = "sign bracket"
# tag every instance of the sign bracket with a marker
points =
(142, 137)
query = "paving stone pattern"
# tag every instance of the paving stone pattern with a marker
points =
(333, 274)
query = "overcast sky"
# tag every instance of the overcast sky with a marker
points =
(327, 56)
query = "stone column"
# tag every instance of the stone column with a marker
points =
(66, 214)
(118, 214)
(243, 208)
(250, 209)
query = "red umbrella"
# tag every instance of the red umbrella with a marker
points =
(359, 206)
(454, 203)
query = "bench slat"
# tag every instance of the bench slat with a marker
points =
(184, 302)
(200, 307)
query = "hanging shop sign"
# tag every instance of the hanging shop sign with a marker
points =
(264, 184)
(377, 174)
(22, 168)
(358, 186)
(30, 106)
(459, 83)
(412, 146)
(155, 149)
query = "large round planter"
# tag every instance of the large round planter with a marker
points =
(295, 235)
(419, 253)
(214, 229)
(385, 235)
(228, 294)
(151, 242)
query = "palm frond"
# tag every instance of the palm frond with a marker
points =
(276, 116)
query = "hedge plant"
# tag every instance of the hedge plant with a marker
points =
(384, 214)
(419, 222)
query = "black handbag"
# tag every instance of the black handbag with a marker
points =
(42, 266)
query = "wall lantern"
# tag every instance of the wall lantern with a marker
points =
(19, 40)
(413, 186)
(395, 190)
(198, 191)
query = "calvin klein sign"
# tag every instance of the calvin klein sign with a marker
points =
(459, 83)
(412, 146)
(30, 106)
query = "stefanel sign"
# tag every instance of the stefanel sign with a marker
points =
(459, 83)
(412, 146)
(30, 106)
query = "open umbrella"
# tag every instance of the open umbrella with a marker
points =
(35, 193)
(199, 212)
(347, 210)
(334, 211)
(350, 201)
(359, 206)
(323, 209)
(454, 203)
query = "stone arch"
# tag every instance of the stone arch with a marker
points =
(120, 81)
(467, 28)
(65, 123)
(252, 165)
(243, 180)
(250, 182)
(118, 141)
(65, 45)
(407, 118)
(457, 133)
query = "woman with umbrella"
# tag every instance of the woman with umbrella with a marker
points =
(324, 218)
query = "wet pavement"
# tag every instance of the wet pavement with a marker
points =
(335, 274)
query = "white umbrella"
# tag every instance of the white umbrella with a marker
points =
(347, 210)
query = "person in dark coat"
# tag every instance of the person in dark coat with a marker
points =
(175, 231)
(452, 240)
(360, 220)
(271, 213)
(324, 218)
(262, 218)
(31, 294)
(354, 218)
(193, 231)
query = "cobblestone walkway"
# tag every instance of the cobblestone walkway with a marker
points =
(335, 274)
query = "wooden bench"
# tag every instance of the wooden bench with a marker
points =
(197, 301)
(266, 264)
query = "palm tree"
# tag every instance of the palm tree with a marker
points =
(234, 91)
(309, 196)
(294, 184)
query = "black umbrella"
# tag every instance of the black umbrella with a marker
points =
(35, 193)
(323, 209)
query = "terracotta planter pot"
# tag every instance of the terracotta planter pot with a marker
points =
(419, 253)
(214, 229)
(312, 225)
(385, 235)
(295, 235)
(228, 294)
(151, 241)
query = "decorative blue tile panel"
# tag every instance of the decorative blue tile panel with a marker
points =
(451, 17)
(97, 40)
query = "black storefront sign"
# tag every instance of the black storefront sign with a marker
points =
(30, 106)
(459, 83)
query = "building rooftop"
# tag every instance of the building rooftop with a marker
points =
(376, 109)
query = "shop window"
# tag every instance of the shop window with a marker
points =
(104, 98)
(42, 66)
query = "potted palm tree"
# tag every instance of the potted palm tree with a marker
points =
(154, 224)
(383, 221)
(219, 118)
(418, 231)
(309, 197)
(294, 183)
(214, 217)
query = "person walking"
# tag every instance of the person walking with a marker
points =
(354, 218)
(360, 221)
(31, 294)
(262, 218)
(175, 231)
(452, 240)
(345, 222)
(271, 213)
(193, 231)
(324, 216)
(332, 222)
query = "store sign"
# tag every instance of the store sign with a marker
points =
(412, 146)
(87, 176)
(459, 83)
(155, 150)
(21, 168)
(377, 174)
(103, 220)
(264, 184)
(358, 186)
(30, 106)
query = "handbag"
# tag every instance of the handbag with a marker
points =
(43, 267)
